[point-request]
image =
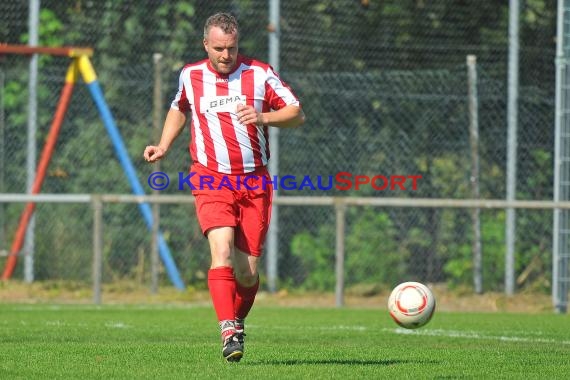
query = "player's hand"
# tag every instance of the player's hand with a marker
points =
(153, 153)
(248, 115)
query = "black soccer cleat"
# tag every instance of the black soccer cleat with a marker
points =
(233, 348)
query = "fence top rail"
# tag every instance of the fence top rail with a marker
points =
(292, 201)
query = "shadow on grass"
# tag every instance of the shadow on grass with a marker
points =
(382, 362)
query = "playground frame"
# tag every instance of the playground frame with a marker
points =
(80, 66)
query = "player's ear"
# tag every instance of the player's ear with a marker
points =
(205, 44)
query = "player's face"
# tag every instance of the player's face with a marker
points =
(222, 49)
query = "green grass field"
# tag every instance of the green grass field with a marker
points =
(174, 342)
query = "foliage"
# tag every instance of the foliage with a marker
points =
(372, 255)
(317, 257)
(459, 267)
(531, 253)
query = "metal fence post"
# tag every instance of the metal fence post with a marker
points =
(29, 243)
(157, 119)
(512, 121)
(474, 143)
(272, 266)
(340, 210)
(97, 205)
(560, 230)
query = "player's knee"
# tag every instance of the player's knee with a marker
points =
(221, 257)
(246, 278)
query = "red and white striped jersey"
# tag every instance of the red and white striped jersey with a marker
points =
(218, 140)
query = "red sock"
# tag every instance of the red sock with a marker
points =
(244, 299)
(222, 285)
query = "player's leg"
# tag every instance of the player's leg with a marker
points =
(222, 286)
(247, 285)
(221, 280)
(218, 216)
(250, 233)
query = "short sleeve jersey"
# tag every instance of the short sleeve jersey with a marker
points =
(218, 140)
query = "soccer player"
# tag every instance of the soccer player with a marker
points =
(232, 100)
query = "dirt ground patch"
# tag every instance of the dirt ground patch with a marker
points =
(128, 293)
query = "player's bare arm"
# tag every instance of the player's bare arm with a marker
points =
(173, 125)
(290, 116)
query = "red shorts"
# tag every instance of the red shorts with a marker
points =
(240, 201)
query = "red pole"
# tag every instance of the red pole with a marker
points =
(67, 51)
(42, 169)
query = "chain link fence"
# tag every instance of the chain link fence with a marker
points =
(384, 86)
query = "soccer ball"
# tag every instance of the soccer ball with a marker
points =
(411, 304)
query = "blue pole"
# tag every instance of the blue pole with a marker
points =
(97, 95)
